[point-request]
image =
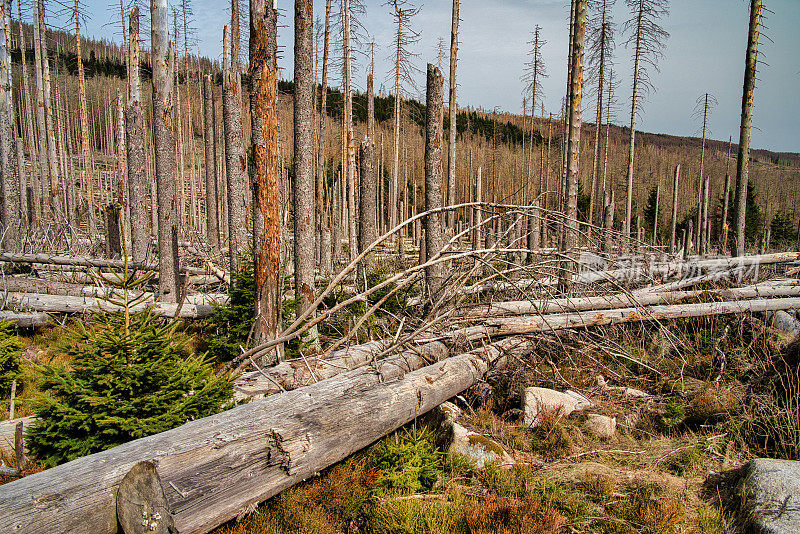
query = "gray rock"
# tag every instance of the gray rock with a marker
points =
(784, 322)
(477, 447)
(770, 491)
(601, 425)
(538, 400)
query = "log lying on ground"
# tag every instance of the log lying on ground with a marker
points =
(297, 373)
(85, 261)
(25, 320)
(778, 288)
(67, 304)
(214, 468)
(527, 324)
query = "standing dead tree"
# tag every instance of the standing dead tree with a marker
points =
(323, 228)
(648, 39)
(434, 115)
(404, 70)
(164, 146)
(10, 207)
(86, 174)
(451, 154)
(368, 208)
(235, 159)
(49, 117)
(33, 178)
(601, 49)
(266, 192)
(568, 237)
(705, 103)
(210, 125)
(42, 195)
(748, 95)
(135, 144)
(303, 153)
(535, 73)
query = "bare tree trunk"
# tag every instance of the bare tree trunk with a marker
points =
(655, 215)
(235, 161)
(193, 215)
(86, 172)
(451, 159)
(164, 145)
(264, 120)
(674, 222)
(210, 125)
(321, 209)
(41, 198)
(598, 116)
(632, 134)
(368, 216)
(303, 153)
(608, 224)
(725, 205)
(55, 196)
(394, 198)
(348, 124)
(434, 275)
(119, 141)
(135, 145)
(748, 95)
(30, 132)
(569, 233)
(8, 182)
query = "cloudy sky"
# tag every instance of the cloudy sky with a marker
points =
(705, 53)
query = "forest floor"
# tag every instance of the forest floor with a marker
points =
(665, 468)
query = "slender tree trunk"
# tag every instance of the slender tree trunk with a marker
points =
(451, 159)
(11, 215)
(41, 197)
(193, 216)
(119, 141)
(55, 195)
(210, 125)
(321, 208)
(674, 223)
(264, 120)
(304, 153)
(725, 206)
(30, 132)
(569, 232)
(394, 199)
(598, 116)
(748, 95)
(434, 275)
(368, 216)
(348, 124)
(135, 145)
(632, 133)
(655, 215)
(235, 160)
(701, 182)
(164, 145)
(86, 171)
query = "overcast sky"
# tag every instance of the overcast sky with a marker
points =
(705, 53)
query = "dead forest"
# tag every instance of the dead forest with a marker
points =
(238, 298)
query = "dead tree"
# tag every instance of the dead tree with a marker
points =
(568, 238)
(705, 103)
(235, 159)
(434, 274)
(368, 209)
(303, 153)
(33, 178)
(164, 148)
(42, 195)
(135, 144)
(10, 207)
(405, 37)
(534, 74)
(674, 222)
(264, 120)
(748, 95)
(321, 218)
(451, 155)
(210, 126)
(601, 48)
(648, 39)
(86, 158)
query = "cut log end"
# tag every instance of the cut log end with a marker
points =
(141, 503)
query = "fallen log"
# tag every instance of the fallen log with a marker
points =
(25, 320)
(217, 467)
(85, 261)
(84, 305)
(645, 297)
(507, 326)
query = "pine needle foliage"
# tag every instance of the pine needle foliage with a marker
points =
(10, 350)
(130, 376)
(233, 323)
